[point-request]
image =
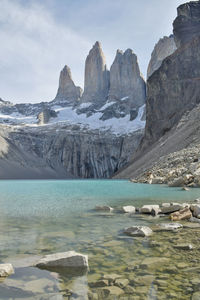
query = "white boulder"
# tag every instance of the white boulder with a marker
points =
(128, 209)
(6, 270)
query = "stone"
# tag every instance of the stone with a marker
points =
(67, 91)
(121, 282)
(155, 211)
(177, 182)
(184, 247)
(185, 189)
(187, 24)
(70, 259)
(140, 231)
(111, 277)
(165, 47)
(146, 209)
(104, 208)
(99, 283)
(96, 83)
(183, 214)
(195, 210)
(126, 81)
(169, 226)
(128, 209)
(6, 270)
(45, 115)
(109, 291)
(196, 296)
(171, 208)
(154, 262)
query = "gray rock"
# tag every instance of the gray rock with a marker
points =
(45, 115)
(147, 209)
(187, 24)
(140, 231)
(70, 259)
(171, 208)
(67, 91)
(96, 84)
(104, 208)
(6, 270)
(165, 47)
(184, 246)
(169, 226)
(126, 82)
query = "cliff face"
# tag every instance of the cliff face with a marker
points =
(70, 152)
(165, 47)
(187, 24)
(96, 76)
(126, 81)
(172, 91)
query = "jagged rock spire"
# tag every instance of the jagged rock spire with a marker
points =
(126, 79)
(96, 82)
(67, 91)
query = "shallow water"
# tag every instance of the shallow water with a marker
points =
(43, 217)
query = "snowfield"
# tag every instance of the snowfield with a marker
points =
(68, 116)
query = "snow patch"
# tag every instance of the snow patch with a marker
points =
(124, 98)
(107, 105)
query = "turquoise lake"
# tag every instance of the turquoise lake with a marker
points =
(47, 216)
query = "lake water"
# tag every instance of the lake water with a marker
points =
(46, 216)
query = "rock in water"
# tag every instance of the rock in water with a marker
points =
(67, 91)
(138, 231)
(70, 259)
(165, 47)
(187, 23)
(184, 214)
(126, 81)
(96, 76)
(6, 270)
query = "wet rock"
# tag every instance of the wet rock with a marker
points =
(121, 282)
(171, 208)
(111, 277)
(169, 227)
(146, 209)
(155, 211)
(69, 259)
(98, 284)
(129, 290)
(6, 270)
(195, 210)
(109, 291)
(140, 231)
(177, 182)
(104, 208)
(128, 209)
(183, 214)
(185, 189)
(154, 262)
(184, 246)
(196, 296)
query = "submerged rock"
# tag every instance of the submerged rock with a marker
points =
(70, 259)
(109, 291)
(169, 227)
(104, 208)
(138, 231)
(6, 270)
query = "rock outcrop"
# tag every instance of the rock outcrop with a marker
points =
(96, 83)
(165, 47)
(45, 115)
(126, 82)
(67, 91)
(172, 108)
(187, 23)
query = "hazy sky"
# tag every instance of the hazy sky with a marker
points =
(39, 37)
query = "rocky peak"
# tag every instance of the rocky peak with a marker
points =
(126, 81)
(96, 83)
(187, 24)
(67, 91)
(165, 47)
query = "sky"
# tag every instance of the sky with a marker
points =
(39, 37)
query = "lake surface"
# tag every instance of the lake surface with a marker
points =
(46, 216)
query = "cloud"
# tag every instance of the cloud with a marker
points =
(39, 37)
(33, 50)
